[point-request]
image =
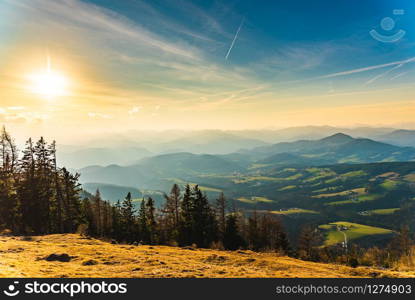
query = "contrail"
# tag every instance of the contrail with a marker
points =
(234, 39)
(383, 74)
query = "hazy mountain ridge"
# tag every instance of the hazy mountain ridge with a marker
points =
(101, 156)
(130, 147)
(160, 171)
(152, 173)
(400, 137)
(338, 148)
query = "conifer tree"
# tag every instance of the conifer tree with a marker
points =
(151, 221)
(128, 219)
(221, 215)
(70, 200)
(9, 216)
(232, 237)
(97, 209)
(186, 218)
(58, 189)
(253, 232)
(203, 220)
(171, 217)
(142, 220)
(117, 230)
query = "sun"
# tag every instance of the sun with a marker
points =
(48, 84)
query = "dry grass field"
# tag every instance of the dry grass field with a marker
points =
(85, 257)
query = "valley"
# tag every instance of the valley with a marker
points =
(333, 179)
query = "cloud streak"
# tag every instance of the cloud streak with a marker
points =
(234, 40)
(365, 69)
(101, 20)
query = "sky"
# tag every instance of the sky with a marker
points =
(72, 68)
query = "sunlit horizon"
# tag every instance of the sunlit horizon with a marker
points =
(84, 65)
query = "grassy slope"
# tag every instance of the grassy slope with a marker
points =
(354, 231)
(20, 258)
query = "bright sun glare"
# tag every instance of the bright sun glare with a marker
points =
(48, 83)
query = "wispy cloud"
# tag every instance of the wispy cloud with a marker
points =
(134, 110)
(370, 68)
(372, 80)
(104, 22)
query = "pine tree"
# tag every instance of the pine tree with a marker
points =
(9, 215)
(44, 174)
(70, 200)
(87, 217)
(117, 230)
(128, 219)
(28, 190)
(221, 215)
(203, 220)
(151, 220)
(142, 220)
(253, 232)
(186, 218)
(282, 243)
(232, 240)
(97, 210)
(59, 196)
(172, 213)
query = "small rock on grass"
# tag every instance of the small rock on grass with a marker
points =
(58, 257)
(90, 262)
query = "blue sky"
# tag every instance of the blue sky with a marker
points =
(162, 62)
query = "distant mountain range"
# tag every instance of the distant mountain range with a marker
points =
(337, 177)
(129, 148)
(159, 172)
(399, 137)
(101, 156)
(338, 148)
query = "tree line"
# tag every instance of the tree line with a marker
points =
(185, 219)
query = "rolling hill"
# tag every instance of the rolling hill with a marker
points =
(338, 148)
(399, 137)
(113, 193)
(210, 142)
(101, 156)
(338, 178)
(159, 172)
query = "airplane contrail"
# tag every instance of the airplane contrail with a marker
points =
(234, 39)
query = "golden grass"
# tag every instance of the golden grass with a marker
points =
(24, 258)
(406, 262)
